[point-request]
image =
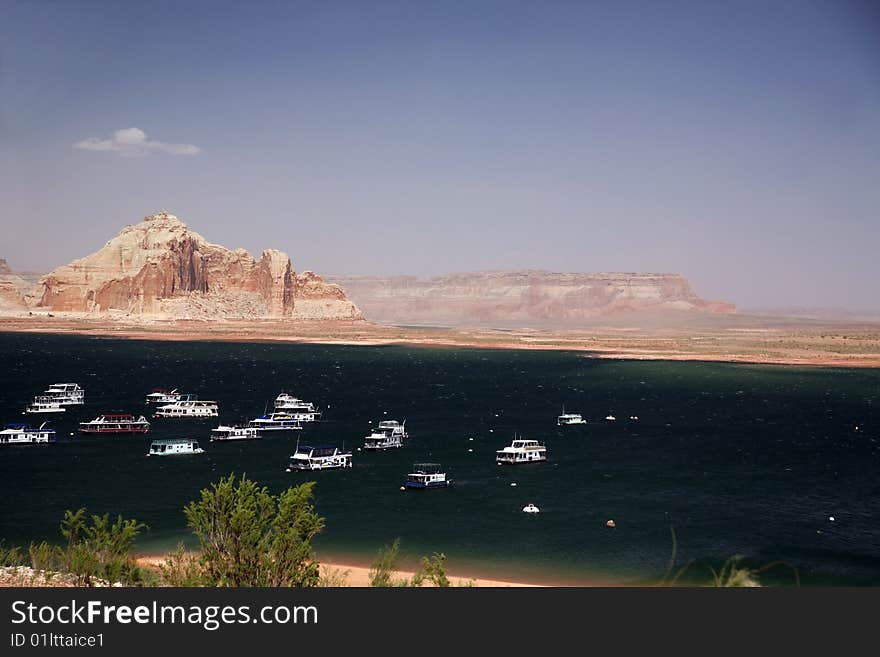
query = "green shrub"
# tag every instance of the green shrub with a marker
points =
(251, 538)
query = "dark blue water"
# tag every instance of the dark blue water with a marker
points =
(738, 459)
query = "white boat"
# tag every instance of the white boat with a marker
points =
(224, 432)
(162, 396)
(174, 447)
(610, 418)
(115, 423)
(276, 422)
(188, 408)
(531, 508)
(522, 451)
(569, 418)
(66, 394)
(300, 410)
(19, 433)
(389, 434)
(319, 457)
(43, 404)
(426, 475)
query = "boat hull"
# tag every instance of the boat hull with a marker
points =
(7, 440)
(417, 485)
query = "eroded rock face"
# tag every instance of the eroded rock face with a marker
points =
(520, 296)
(13, 289)
(161, 269)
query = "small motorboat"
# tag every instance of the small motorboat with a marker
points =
(610, 418)
(531, 508)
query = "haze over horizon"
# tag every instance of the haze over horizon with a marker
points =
(736, 144)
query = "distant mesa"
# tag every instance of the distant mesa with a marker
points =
(160, 269)
(524, 297)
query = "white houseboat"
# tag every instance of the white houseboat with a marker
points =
(174, 447)
(188, 408)
(521, 451)
(115, 423)
(569, 418)
(301, 410)
(389, 434)
(43, 404)
(162, 396)
(318, 457)
(19, 433)
(426, 475)
(276, 422)
(66, 394)
(224, 432)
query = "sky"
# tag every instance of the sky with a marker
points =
(737, 143)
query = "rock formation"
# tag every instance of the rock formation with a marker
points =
(160, 269)
(13, 289)
(520, 296)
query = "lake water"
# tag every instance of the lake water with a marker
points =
(737, 459)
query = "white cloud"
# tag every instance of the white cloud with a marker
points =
(133, 142)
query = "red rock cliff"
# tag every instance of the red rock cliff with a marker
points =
(161, 269)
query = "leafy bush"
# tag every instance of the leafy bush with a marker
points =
(44, 556)
(252, 538)
(433, 569)
(11, 556)
(100, 550)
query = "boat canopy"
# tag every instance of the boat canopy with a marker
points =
(427, 468)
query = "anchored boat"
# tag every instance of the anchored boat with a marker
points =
(174, 447)
(569, 418)
(224, 432)
(389, 434)
(162, 396)
(118, 423)
(319, 457)
(276, 422)
(427, 475)
(522, 451)
(297, 408)
(188, 408)
(19, 433)
(43, 404)
(66, 394)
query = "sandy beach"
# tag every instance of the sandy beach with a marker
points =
(340, 574)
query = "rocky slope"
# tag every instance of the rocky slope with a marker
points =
(160, 269)
(520, 296)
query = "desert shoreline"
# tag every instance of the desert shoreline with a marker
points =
(854, 345)
(355, 573)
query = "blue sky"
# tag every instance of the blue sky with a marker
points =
(735, 142)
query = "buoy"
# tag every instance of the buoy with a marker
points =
(831, 518)
(610, 524)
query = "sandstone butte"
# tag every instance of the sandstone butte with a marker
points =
(524, 297)
(160, 269)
